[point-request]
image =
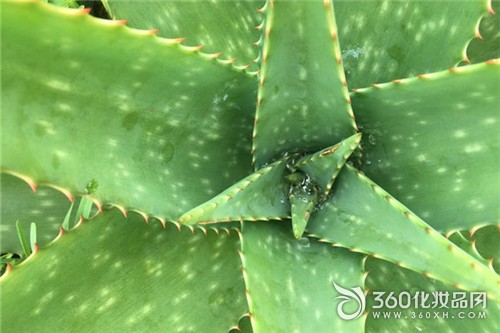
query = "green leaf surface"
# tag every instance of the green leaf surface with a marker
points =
(487, 242)
(46, 207)
(488, 45)
(466, 245)
(290, 283)
(387, 278)
(301, 83)
(123, 275)
(220, 26)
(260, 196)
(385, 40)
(302, 203)
(64, 3)
(244, 326)
(324, 166)
(433, 143)
(22, 239)
(106, 106)
(363, 217)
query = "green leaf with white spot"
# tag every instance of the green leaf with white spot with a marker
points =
(301, 83)
(434, 142)
(260, 196)
(229, 27)
(46, 207)
(363, 217)
(385, 40)
(110, 263)
(290, 283)
(151, 132)
(385, 277)
(324, 166)
(488, 45)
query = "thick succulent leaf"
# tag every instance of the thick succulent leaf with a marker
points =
(260, 196)
(324, 166)
(362, 217)
(220, 26)
(103, 268)
(389, 278)
(301, 82)
(244, 326)
(46, 207)
(302, 204)
(290, 283)
(466, 245)
(385, 40)
(105, 105)
(433, 143)
(487, 46)
(487, 242)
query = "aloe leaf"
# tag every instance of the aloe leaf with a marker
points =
(244, 326)
(302, 204)
(467, 246)
(33, 236)
(486, 45)
(22, 239)
(386, 277)
(433, 143)
(120, 119)
(363, 217)
(260, 196)
(301, 82)
(324, 166)
(64, 3)
(84, 208)
(386, 40)
(46, 207)
(486, 241)
(109, 263)
(290, 283)
(67, 219)
(229, 27)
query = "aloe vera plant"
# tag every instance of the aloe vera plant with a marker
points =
(250, 164)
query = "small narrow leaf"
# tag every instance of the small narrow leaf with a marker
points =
(22, 239)
(33, 236)
(66, 221)
(84, 208)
